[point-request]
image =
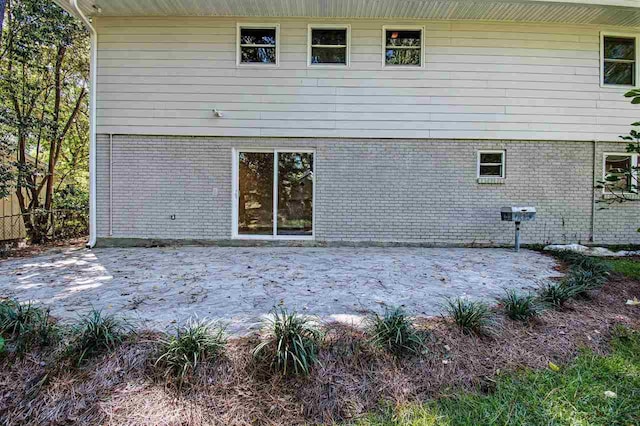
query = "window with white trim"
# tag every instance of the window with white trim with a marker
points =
(619, 60)
(329, 45)
(402, 46)
(258, 44)
(619, 172)
(491, 164)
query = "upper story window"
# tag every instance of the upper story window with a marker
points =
(258, 44)
(402, 46)
(329, 45)
(491, 164)
(619, 57)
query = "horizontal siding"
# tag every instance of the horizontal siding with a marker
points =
(480, 80)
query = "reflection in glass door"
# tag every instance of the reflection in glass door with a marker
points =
(255, 184)
(275, 194)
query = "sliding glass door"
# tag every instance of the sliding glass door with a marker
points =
(274, 194)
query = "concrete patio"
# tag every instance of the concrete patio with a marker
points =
(162, 287)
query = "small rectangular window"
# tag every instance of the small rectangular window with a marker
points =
(257, 44)
(402, 47)
(491, 164)
(328, 45)
(619, 60)
(618, 172)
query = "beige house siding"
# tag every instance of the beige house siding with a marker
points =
(480, 81)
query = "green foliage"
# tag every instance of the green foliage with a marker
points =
(581, 281)
(7, 174)
(43, 107)
(1, 345)
(95, 333)
(520, 307)
(627, 267)
(470, 316)
(555, 294)
(395, 333)
(291, 344)
(26, 325)
(198, 341)
(585, 274)
(573, 396)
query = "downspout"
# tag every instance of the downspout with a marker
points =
(110, 184)
(593, 194)
(92, 121)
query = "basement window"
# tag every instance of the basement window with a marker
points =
(617, 170)
(402, 46)
(329, 45)
(619, 60)
(258, 44)
(491, 164)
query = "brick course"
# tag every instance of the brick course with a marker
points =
(412, 191)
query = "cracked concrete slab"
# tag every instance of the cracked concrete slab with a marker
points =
(161, 287)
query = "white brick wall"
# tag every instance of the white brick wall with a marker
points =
(418, 191)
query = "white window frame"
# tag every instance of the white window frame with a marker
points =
(252, 25)
(312, 27)
(235, 195)
(634, 163)
(637, 56)
(502, 164)
(386, 28)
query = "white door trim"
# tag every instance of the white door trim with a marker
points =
(235, 195)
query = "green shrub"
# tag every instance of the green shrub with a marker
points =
(596, 266)
(582, 281)
(96, 333)
(291, 344)
(395, 333)
(25, 325)
(520, 307)
(198, 341)
(470, 316)
(1, 345)
(555, 294)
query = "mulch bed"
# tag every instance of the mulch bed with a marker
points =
(351, 380)
(36, 249)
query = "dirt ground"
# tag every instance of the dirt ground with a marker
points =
(158, 287)
(352, 378)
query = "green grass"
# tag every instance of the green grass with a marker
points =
(627, 267)
(573, 396)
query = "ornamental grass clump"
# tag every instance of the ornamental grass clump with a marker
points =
(555, 294)
(24, 325)
(196, 342)
(470, 316)
(582, 281)
(395, 333)
(291, 343)
(94, 334)
(520, 307)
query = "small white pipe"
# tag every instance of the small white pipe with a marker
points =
(110, 184)
(593, 189)
(92, 121)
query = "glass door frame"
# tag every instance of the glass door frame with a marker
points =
(235, 194)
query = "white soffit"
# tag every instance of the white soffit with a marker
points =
(597, 12)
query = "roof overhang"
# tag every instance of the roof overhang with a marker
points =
(596, 12)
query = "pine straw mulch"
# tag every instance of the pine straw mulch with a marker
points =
(352, 379)
(36, 249)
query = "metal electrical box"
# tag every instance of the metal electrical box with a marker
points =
(518, 214)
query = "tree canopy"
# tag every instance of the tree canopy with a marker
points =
(44, 69)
